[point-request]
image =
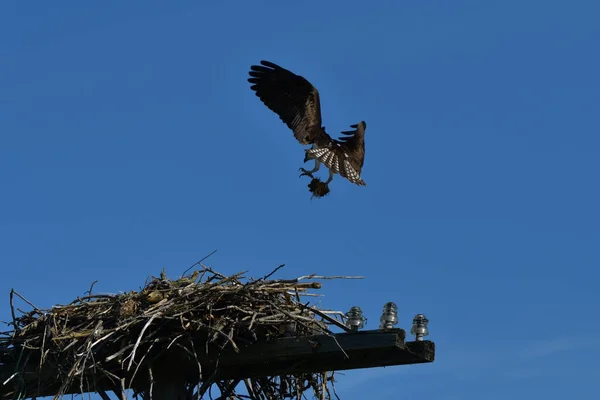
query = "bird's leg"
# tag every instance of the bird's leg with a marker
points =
(330, 177)
(312, 171)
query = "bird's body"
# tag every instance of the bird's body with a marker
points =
(297, 103)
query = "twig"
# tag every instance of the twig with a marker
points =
(89, 292)
(228, 390)
(332, 380)
(196, 358)
(103, 394)
(10, 378)
(139, 339)
(249, 389)
(198, 262)
(89, 297)
(151, 377)
(141, 361)
(118, 353)
(25, 300)
(43, 345)
(217, 274)
(12, 311)
(313, 276)
(122, 394)
(206, 384)
(272, 272)
(327, 318)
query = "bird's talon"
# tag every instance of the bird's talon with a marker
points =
(305, 173)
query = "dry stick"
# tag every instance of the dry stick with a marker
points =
(233, 307)
(87, 353)
(340, 346)
(336, 323)
(217, 274)
(297, 318)
(332, 380)
(12, 311)
(141, 361)
(116, 390)
(103, 338)
(334, 391)
(73, 343)
(220, 332)
(174, 340)
(118, 353)
(26, 301)
(94, 296)
(151, 382)
(70, 376)
(252, 320)
(249, 389)
(196, 358)
(103, 394)
(139, 339)
(306, 294)
(256, 389)
(123, 396)
(314, 276)
(272, 272)
(327, 318)
(112, 379)
(198, 262)
(91, 287)
(206, 384)
(228, 389)
(10, 378)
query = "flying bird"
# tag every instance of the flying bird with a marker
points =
(296, 101)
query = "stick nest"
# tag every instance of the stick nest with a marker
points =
(113, 342)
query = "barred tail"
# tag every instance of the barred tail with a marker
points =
(337, 163)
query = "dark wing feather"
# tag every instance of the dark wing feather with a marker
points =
(354, 142)
(354, 145)
(290, 96)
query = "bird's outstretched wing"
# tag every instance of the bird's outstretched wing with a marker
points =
(290, 96)
(346, 155)
(354, 143)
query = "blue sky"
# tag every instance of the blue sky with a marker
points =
(130, 141)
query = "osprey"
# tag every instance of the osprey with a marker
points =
(296, 101)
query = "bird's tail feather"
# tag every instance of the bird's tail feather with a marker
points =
(336, 163)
